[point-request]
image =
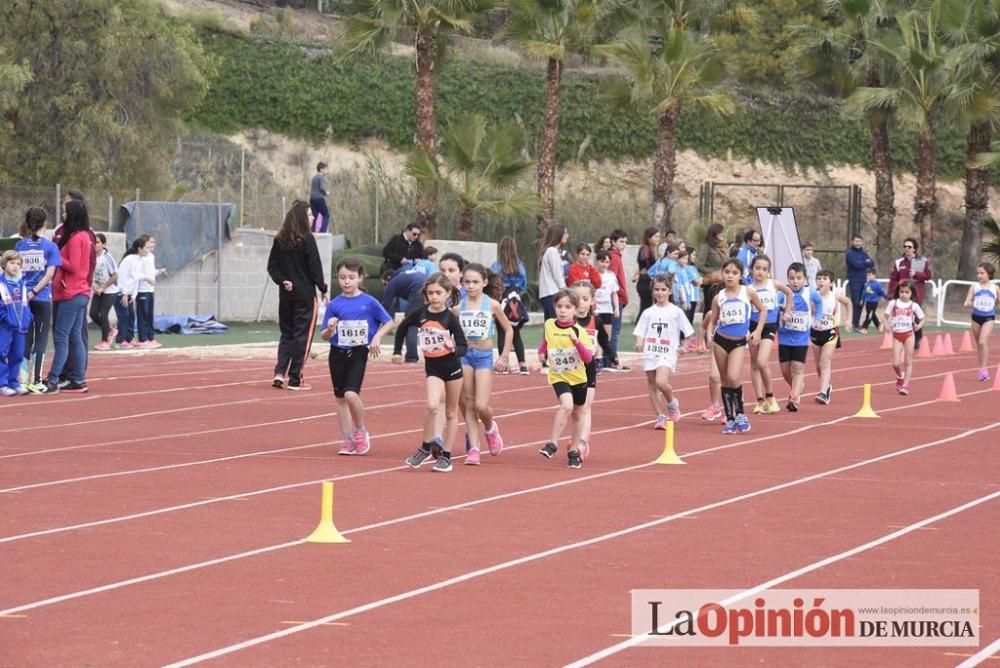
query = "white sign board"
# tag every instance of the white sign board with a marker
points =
(781, 238)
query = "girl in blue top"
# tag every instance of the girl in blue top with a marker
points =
(983, 300)
(515, 279)
(730, 315)
(760, 354)
(476, 313)
(354, 324)
(39, 258)
(793, 332)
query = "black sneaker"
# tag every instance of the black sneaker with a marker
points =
(824, 396)
(76, 388)
(417, 458)
(443, 464)
(48, 388)
(792, 406)
(574, 461)
(548, 450)
(63, 382)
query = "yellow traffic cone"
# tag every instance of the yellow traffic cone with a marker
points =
(326, 532)
(866, 407)
(669, 456)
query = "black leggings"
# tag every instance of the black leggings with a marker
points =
(37, 339)
(603, 339)
(871, 315)
(516, 343)
(100, 306)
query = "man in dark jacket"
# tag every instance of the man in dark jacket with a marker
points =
(858, 264)
(401, 251)
(405, 286)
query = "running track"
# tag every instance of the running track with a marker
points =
(158, 520)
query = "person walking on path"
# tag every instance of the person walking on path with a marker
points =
(317, 198)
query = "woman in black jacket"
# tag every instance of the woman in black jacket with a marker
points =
(294, 265)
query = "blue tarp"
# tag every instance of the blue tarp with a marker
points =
(185, 232)
(188, 324)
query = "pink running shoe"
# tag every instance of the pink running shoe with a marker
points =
(674, 411)
(472, 457)
(347, 448)
(494, 441)
(102, 345)
(661, 423)
(362, 443)
(152, 344)
(712, 413)
(904, 389)
(112, 334)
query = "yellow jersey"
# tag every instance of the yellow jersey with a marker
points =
(565, 365)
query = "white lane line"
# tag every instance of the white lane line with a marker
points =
(980, 656)
(791, 575)
(472, 575)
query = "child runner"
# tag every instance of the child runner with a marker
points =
(15, 321)
(582, 269)
(39, 259)
(658, 336)
(354, 324)
(793, 332)
(760, 354)
(825, 334)
(983, 300)
(872, 293)
(607, 309)
(105, 292)
(443, 344)
(568, 348)
(731, 310)
(586, 319)
(476, 313)
(905, 318)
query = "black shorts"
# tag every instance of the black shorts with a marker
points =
(982, 319)
(729, 345)
(591, 368)
(792, 353)
(604, 319)
(447, 368)
(347, 369)
(821, 337)
(579, 392)
(770, 331)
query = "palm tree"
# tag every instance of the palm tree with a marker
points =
(481, 168)
(371, 28)
(923, 94)
(991, 247)
(549, 30)
(839, 52)
(684, 71)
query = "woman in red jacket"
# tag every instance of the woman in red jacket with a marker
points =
(71, 290)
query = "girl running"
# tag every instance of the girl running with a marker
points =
(39, 258)
(825, 331)
(983, 300)
(586, 319)
(568, 347)
(760, 354)
(905, 319)
(354, 324)
(443, 344)
(658, 337)
(793, 333)
(731, 313)
(476, 313)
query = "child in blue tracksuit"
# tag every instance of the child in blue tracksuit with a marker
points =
(873, 292)
(15, 319)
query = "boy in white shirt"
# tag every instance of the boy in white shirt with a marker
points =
(811, 263)
(606, 309)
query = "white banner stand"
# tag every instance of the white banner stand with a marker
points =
(781, 238)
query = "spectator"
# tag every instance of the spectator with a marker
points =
(515, 281)
(858, 264)
(749, 250)
(73, 196)
(317, 198)
(669, 239)
(712, 253)
(407, 288)
(619, 240)
(582, 269)
(646, 257)
(403, 251)
(916, 268)
(811, 264)
(603, 243)
(551, 277)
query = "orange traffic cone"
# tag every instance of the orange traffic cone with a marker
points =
(886, 342)
(938, 349)
(948, 391)
(925, 348)
(948, 350)
(966, 345)
(996, 379)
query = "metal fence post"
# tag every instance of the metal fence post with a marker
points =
(243, 179)
(58, 209)
(135, 213)
(218, 258)
(111, 210)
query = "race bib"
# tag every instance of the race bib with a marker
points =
(657, 348)
(732, 313)
(984, 303)
(432, 339)
(563, 360)
(901, 323)
(475, 324)
(798, 321)
(824, 322)
(352, 332)
(769, 299)
(33, 260)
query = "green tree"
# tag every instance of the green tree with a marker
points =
(684, 71)
(550, 30)
(110, 82)
(372, 27)
(481, 168)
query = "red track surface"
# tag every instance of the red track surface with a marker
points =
(159, 518)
